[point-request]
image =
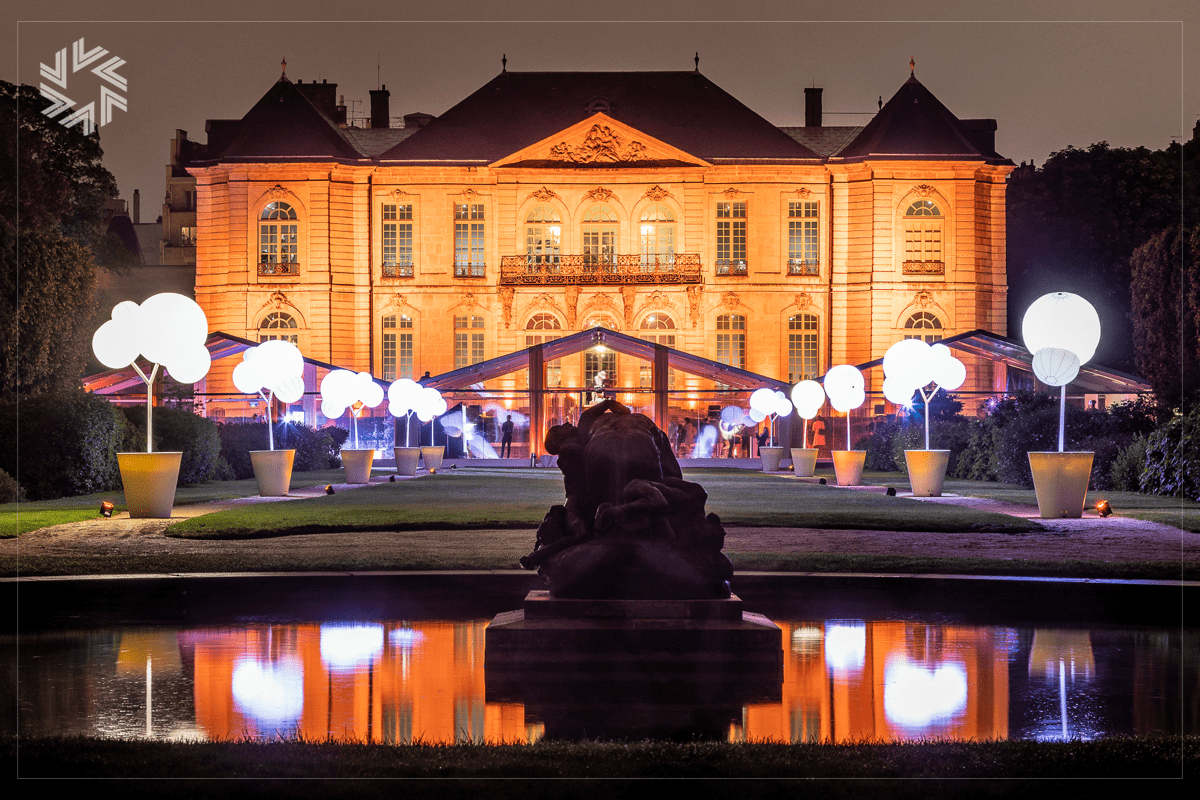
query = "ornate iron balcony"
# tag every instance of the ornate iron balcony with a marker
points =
(731, 266)
(469, 269)
(799, 266)
(396, 270)
(288, 268)
(599, 268)
(924, 268)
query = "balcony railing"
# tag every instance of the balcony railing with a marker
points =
(469, 269)
(398, 270)
(730, 266)
(287, 268)
(799, 266)
(924, 268)
(600, 268)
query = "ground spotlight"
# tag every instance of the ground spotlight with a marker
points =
(822, 481)
(1103, 508)
(329, 489)
(106, 509)
(891, 491)
(391, 478)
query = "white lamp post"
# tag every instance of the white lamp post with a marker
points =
(846, 390)
(342, 389)
(770, 403)
(807, 397)
(168, 330)
(278, 367)
(1062, 331)
(911, 365)
(405, 398)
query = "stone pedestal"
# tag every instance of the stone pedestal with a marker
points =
(622, 668)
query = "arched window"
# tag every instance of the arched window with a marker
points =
(803, 336)
(600, 229)
(660, 329)
(397, 347)
(923, 239)
(543, 237)
(540, 329)
(278, 325)
(657, 235)
(923, 325)
(731, 340)
(278, 240)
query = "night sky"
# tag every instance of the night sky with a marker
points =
(1049, 84)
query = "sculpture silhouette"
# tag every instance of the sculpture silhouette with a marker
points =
(631, 526)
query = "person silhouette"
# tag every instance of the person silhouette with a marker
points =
(506, 439)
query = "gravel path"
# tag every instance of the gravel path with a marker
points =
(1113, 539)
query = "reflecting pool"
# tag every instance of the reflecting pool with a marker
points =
(401, 681)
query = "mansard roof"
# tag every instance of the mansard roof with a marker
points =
(285, 125)
(915, 124)
(517, 109)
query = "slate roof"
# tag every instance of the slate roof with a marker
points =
(915, 123)
(825, 140)
(517, 109)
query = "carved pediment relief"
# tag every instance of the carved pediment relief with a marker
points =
(657, 193)
(803, 301)
(276, 192)
(544, 194)
(658, 301)
(730, 301)
(599, 140)
(924, 190)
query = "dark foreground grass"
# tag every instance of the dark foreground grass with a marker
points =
(468, 499)
(1120, 757)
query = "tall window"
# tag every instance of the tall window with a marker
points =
(544, 328)
(397, 347)
(187, 236)
(660, 329)
(600, 228)
(803, 333)
(468, 240)
(278, 325)
(731, 340)
(804, 254)
(923, 233)
(923, 325)
(543, 237)
(397, 240)
(657, 235)
(278, 239)
(595, 361)
(468, 341)
(731, 238)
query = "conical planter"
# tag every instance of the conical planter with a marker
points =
(1061, 482)
(848, 466)
(432, 456)
(407, 459)
(273, 471)
(771, 456)
(927, 471)
(357, 464)
(804, 461)
(149, 480)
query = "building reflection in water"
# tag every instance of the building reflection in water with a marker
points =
(401, 682)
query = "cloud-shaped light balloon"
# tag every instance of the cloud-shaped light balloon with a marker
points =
(808, 397)
(845, 387)
(276, 366)
(167, 329)
(1062, 320)
(911, 364)
(770, 403)
(406, 397)
(1055, 366)
(342, 388)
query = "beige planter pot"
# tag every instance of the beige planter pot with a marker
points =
(407, 459)
(432, 456)
(848, 466)
(357, 464)
(804, 461)
(927, 471)
(771, 456)
(273, 471)
(149, 480)
(1061, 482)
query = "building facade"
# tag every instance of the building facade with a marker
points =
(654, 204)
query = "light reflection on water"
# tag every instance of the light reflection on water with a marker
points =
(405, 681)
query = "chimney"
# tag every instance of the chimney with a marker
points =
(379, 108)
(137, 206)
(812, 107)
(339, 113)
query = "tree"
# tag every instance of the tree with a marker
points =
(1074, 223)
(1157, 304)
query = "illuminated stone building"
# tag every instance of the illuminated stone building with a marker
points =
(651, 203)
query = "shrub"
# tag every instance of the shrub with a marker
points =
(10, 491)
(1173, 458)
(1125, 474)
(237, 440)
(176, 429)
(879, 446)
(316, 448)
(950, 433)
(67, 445)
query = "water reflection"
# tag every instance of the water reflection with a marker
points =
(405, 681)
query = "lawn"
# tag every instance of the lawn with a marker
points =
(518, 498)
